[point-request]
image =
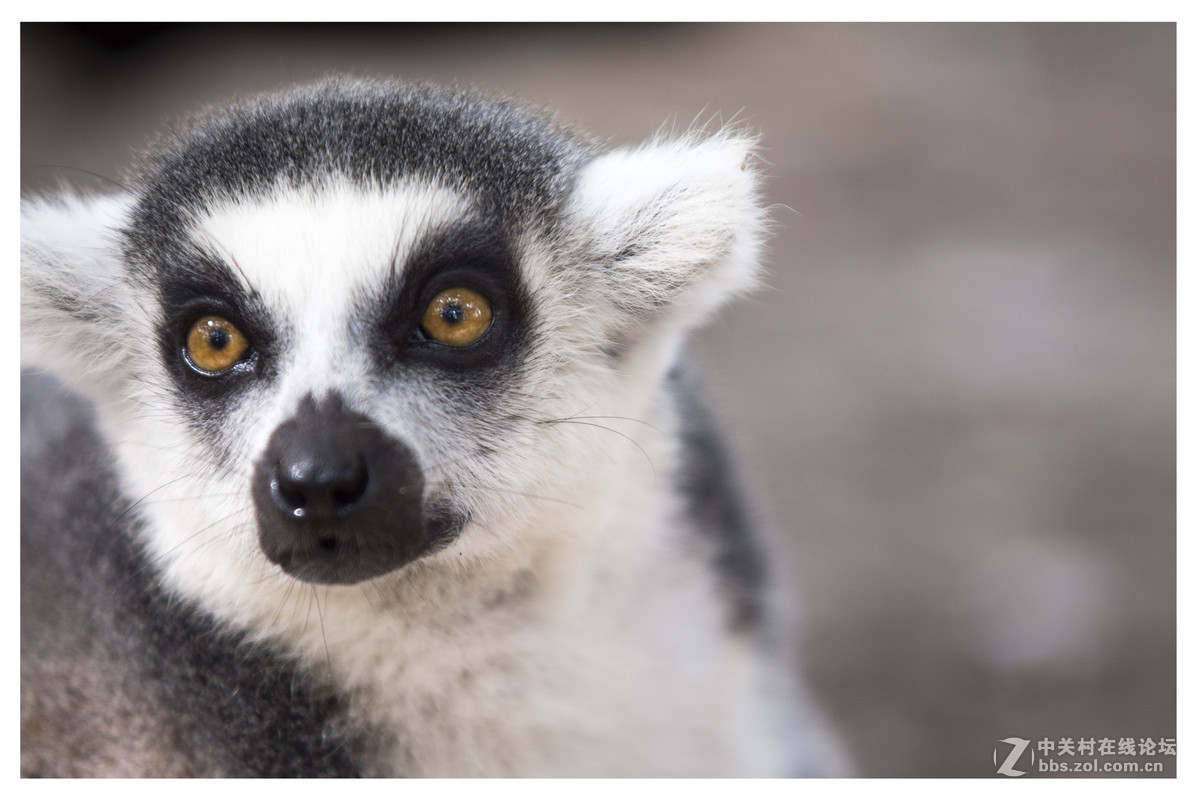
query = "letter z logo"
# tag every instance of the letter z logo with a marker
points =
(1018, 749)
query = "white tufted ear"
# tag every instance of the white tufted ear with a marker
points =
(670, 229)
(77, 310)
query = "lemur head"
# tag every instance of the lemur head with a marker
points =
(333, 328)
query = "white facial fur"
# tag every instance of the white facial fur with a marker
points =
(311, 254)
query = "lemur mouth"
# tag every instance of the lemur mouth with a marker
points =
(340, 501)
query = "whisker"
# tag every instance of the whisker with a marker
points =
(321, 621)
(624, 436)
(599, 416)
(138, 502)
(95, 175)
(287, 594)
(495, 490)
(154, 562)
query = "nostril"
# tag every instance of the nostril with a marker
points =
(351, 486)
(308, 489)
(288, 496)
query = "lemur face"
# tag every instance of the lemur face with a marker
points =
(376, 319)
(342, 326)
(364, 348)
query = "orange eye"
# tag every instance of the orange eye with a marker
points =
(214, 344)
(457, 317)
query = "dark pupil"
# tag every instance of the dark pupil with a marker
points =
(217, 339)
(452, 313)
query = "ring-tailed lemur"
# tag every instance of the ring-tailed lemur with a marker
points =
(409, 477)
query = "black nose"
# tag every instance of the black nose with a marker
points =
(319, 482)
(338, 499)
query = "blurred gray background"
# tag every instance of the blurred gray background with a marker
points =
(956, 396)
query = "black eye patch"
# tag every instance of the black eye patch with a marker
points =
(466, 255)
(200, 287)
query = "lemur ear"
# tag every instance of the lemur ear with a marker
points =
(670, 229)
(77, 311)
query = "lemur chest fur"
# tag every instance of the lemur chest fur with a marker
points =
(480, 691)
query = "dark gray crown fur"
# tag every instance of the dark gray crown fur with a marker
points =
(517, 162)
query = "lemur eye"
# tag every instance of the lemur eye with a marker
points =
(457, 317)
(214, 344)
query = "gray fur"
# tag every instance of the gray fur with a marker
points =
(381, 132)
(118, 679)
